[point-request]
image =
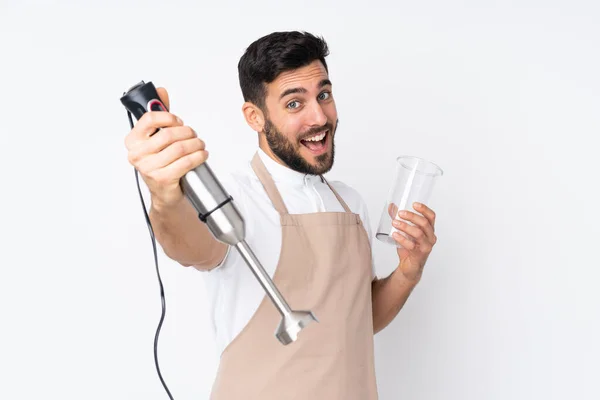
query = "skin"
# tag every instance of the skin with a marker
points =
(390, 294)
(282, 122)
(161, 160)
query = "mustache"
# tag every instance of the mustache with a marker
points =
(316, 130)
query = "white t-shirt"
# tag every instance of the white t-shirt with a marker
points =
(233, 292)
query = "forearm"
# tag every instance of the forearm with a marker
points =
(183, 237)
(389, 296)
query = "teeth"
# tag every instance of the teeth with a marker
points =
(316, 138)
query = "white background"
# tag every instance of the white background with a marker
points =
(503, 95)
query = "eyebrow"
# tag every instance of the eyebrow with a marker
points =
(287, 92)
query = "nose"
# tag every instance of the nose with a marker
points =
(317, 116)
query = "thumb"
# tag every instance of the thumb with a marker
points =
(164, 96)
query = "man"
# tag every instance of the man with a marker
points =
(312, 236)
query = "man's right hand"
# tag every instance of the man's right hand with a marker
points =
(162, 159)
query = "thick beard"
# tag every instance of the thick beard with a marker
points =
(283, 148)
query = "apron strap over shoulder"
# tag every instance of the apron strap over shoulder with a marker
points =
(342, 202)
(265, 178)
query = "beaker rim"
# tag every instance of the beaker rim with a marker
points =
(439, 171)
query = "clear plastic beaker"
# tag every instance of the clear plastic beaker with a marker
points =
(413, 182)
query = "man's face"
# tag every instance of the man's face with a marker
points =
(301, 119)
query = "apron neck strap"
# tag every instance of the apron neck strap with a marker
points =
(265, 178)
(274, 195)
(342, 202)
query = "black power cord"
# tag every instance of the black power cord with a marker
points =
(162, 291)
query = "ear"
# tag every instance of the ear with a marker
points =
(254, 116)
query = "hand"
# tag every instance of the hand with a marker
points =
(162, 159)
(419, 244)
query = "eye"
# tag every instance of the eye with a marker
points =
(293, 105)
(324, 95)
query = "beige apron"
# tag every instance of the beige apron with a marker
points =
(325, 267)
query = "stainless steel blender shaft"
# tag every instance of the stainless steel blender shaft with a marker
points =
(217, 209)
(263, 278)
(292, 321)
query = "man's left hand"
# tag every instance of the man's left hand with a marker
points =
(421, 239)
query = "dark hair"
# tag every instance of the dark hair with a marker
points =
(273, 54)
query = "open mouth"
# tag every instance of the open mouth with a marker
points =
(317, 144)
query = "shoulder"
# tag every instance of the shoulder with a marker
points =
(236, 181)
(351, 196)
(243, 185)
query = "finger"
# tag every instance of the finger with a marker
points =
(420, 221)
(427, 212)
(392, 210)
(420, 241)
(148, 124)
(171, 154)
(158, 142)
(164, 96)
(415, 232)
(403, 241)
(181, 166)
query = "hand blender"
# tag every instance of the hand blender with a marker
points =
(217, 210)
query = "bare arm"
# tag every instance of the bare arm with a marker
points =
(162, 158)
(389, 296)
(184, 238)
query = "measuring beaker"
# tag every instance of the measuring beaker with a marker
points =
(414, 179)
